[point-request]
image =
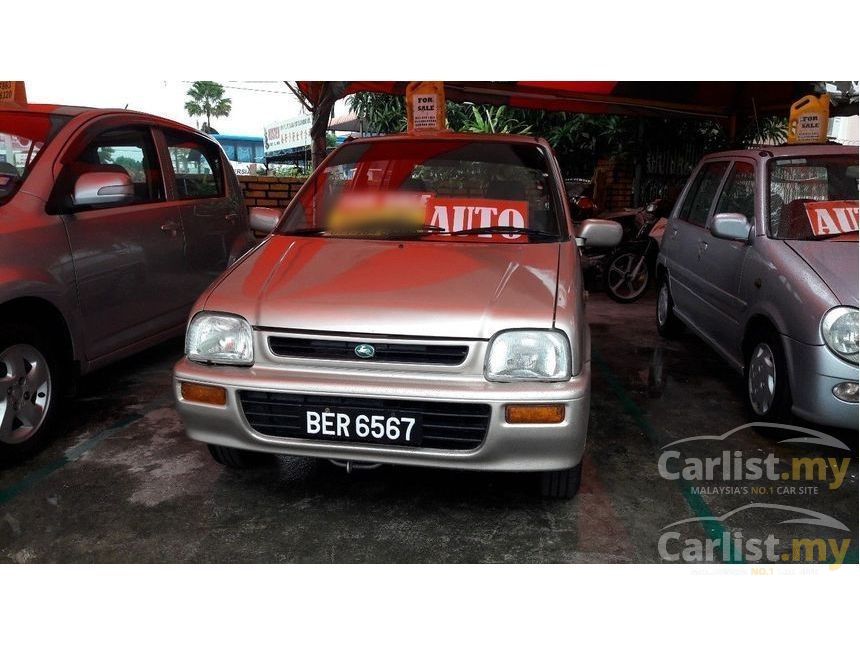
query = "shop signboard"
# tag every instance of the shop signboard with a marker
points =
(291, 134)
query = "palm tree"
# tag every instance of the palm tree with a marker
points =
(207, 99)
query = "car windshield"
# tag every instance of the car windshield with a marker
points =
(22, 136)
(813, 198)
(437, 190)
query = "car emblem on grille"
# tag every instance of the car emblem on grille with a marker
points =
(365, 351)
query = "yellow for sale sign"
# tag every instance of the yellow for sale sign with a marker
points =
(13, 92)
(425, 107)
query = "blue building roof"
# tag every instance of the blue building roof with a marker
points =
(237, 137)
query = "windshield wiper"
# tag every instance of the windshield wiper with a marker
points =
(504, 230)
(826, 236)
(425, 229)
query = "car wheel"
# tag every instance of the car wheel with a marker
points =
(628, 275)
(237, 458)
(31, 387)
(768, 390)
(668, 325)
(561, 484)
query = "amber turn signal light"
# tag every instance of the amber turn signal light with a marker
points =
(199, 393)
(534, 413)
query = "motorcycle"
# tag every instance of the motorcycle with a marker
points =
(579, 197)
(629, 269)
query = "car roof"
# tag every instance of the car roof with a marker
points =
(449, 136)
(808, 150)
(77, 110)
(42, 108)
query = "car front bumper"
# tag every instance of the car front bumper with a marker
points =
(814, 371)
(506, 447)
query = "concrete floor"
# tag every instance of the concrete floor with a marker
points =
(124, 484)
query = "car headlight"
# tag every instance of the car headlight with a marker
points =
(839, 328)
(528, 355)
(221, 339)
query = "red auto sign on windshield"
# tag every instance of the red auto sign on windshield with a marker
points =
(362, 213)
(832, 218)
(465, 213)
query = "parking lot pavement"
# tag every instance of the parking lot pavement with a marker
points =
(124, 484)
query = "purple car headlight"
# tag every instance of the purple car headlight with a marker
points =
(839, 327)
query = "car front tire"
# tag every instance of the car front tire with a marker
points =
(768, 391)
(668, 324)
(561, 484)
(31, 388)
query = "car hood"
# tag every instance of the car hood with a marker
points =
(834, 262)
(410, 288)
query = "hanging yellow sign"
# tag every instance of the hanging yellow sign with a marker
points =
(13, 92)
(425, 107)
(807, 122)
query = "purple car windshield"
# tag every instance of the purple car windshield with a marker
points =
(812, 198)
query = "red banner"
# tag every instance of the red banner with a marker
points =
(832, 218)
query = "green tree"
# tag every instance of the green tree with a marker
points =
(133, 166)
(384, 113)
(106, 155)
(767, 130)
(495, 120)
(207, 99)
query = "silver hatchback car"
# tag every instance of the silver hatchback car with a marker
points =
(419, 303)
(760, 259)
(111, 224)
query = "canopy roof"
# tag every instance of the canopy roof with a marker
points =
(707, 99)
(347, 123)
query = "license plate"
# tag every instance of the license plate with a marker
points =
(345, 424)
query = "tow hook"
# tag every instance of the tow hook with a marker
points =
(355, 465)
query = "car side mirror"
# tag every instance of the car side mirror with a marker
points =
(264, 220)
(731, 226)
(599, 232)
(103, 188)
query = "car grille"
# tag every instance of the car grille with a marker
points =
(343, 350)
(448, 426)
